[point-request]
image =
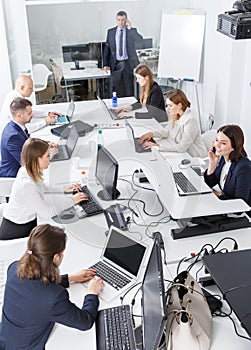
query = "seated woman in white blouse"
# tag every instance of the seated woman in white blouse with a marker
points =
(182, 133)
(27, 195)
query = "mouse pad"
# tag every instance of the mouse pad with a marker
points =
(67, 216)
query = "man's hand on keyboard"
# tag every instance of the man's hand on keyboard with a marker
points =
(82, 276)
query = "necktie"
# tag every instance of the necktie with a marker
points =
(26, 132)
(121, 43)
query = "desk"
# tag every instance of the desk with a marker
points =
(86, 237)
(88, 73)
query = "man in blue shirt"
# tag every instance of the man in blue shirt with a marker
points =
(120, 54)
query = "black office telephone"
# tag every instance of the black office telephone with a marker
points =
(114, 216)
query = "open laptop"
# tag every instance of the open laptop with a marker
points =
(66, 121)
(120, 263)
(65, 151)
(109, 111)
(135, 140)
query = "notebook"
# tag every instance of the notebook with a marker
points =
(123, 258)
(110, 112)
(135, 140)
(65, 151)
(66, 121)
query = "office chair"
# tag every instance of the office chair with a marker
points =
(60, 86)
(40, 77)
(208, 137)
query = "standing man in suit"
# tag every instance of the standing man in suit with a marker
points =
(14, 136)
(120, 54)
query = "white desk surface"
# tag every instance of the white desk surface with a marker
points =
(86, 237)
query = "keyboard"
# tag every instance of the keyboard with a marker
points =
(91, 206)
(183, 182)
(110, 276)
(114, 329)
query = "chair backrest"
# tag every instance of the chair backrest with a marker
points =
(40, 76)
(57, 73)
(208, 137)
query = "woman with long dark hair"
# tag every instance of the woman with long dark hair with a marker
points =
(229, 167)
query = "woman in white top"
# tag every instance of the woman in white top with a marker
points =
(27, 195)
(182, 133)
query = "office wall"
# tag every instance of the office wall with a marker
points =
(51, 26)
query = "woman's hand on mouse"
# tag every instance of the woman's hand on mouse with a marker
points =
(82, 276)
(72, 187)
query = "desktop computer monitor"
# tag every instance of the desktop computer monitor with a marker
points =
(153, 298)
(107, 174)
(83, 52)
(75, 53)
(146, 43)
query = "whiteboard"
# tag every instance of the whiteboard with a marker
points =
(181, 42)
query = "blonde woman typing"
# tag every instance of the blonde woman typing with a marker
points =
(182, 133)
(27, 195)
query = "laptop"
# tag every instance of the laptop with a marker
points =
(109, 111)
(66, 121)
(120, 263)
(65, 151)
(135, 140)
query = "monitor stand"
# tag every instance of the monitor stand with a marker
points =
(208, 224)
(77, 67)
(105, 196)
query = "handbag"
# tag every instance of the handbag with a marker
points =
(189, 320)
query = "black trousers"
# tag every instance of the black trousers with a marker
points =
(122, 79)
(11, 230)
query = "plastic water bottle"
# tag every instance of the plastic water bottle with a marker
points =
(114, 100)
(84, 178)
(100, 138)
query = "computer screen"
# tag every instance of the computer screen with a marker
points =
(146, 43)
(153, 299)
(83, 52)
(107, 174)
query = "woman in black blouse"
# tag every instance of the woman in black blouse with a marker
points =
(151, 97)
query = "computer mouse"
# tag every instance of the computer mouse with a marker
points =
(185, 161)
(67, 216)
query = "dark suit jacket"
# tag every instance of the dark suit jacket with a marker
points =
(31, 308)
(13, 138)
(155, 104)
(132, 36)
(238, 184)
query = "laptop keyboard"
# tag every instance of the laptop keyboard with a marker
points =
(109, 275)
(114, 329)
(91, 206)
(183, 182)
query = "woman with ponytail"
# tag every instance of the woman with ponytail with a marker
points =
(35, 295)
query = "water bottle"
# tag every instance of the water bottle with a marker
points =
(114, 100)
(100, 138)
(84, 178)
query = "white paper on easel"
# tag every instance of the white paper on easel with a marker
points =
(181, 43)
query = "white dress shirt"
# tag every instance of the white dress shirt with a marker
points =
(27, 200)
(183, 136)
(5, 115)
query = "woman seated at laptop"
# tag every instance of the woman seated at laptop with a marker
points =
(27, 195)
(182, 133)
(35, 294)
(151, 97)
(229, 167)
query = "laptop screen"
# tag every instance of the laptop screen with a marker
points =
(124, 252)
(71, 109)
(72, 139)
